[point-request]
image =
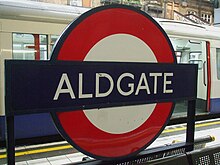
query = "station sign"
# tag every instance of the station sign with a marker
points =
(111, 83)
(86, 85)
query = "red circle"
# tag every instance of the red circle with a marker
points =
(79, 38)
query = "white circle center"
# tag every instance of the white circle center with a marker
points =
(120, 48)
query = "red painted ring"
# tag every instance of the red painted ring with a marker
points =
(74, 45)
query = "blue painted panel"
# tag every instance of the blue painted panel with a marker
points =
(28, 126)
(2, 128)
(34, 91)
(215, 105)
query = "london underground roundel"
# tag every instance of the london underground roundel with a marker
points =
(115, 34)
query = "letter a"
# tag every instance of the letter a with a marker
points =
(140, 86)
(69, 89)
